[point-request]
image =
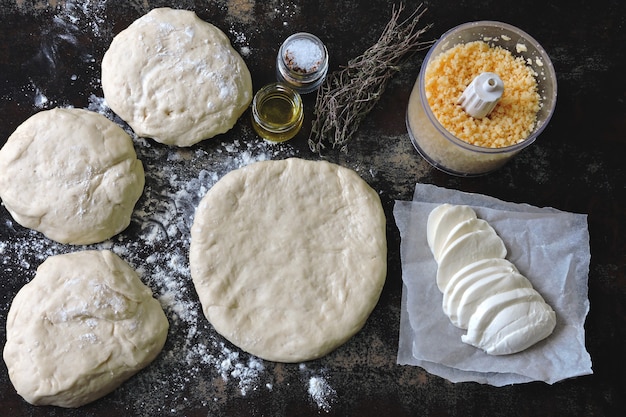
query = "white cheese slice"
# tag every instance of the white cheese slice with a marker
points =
(469, 274)
(452, 300)
(441, 241)
(471, 247)
(517, 327)
(454, 297)
(486, 325)
(433, 222)
(534, 324)
(475, 266)
(442, 220)
(482, 289)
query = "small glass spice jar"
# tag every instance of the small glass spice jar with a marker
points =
(302, 62)
(277, 112)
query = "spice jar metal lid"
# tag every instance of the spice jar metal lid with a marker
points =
(302, 62)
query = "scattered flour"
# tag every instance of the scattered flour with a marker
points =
(240, 40)
(230, 365)
(196, 362)
(40, 99)
(72, 19)
(85, 14)
(284, 10)
(321, 392)
(319, 389)
(156, 244)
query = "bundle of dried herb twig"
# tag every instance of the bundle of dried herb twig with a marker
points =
(349, 94)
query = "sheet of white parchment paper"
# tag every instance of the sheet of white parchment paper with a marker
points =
(548, 246)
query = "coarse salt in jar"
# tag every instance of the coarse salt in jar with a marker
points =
(302, 62)
(438, 135)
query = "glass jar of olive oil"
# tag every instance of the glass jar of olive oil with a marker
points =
(277, 112)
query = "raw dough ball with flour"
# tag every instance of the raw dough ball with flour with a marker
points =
(289, 257)
(71, 174)
(175, 78)
(81, 327)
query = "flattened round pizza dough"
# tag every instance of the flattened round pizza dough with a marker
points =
(81, 327)
(175, 78)
(289, 257)
(72, 175)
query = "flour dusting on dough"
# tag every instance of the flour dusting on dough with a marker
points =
(178, 179)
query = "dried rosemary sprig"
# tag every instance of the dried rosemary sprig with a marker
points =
(346, 96)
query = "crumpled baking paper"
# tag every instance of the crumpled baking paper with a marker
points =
(548, 246)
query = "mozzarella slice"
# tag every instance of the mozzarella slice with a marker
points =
(475, 266)
(471, 247)
(452, 300)
(443, 219)
(433, 222)
(453, 295)
(441, 241)
(482, 327)
(536, 321)
(480, 290)
(517, 327)
(459, 282)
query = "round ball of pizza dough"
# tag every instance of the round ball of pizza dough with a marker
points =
(175, 78)
(81, 327)
(72, 175)
(289, 257)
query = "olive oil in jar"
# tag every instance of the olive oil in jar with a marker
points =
(277, 112)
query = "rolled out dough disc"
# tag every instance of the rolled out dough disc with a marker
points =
(81, 327)
(71, 174)
(289, 257)
(175, 78)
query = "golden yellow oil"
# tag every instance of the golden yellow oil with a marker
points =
(277, 113)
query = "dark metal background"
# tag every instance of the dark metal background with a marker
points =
(576, 165)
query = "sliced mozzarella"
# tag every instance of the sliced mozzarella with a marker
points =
(475, 266)
(433, 222)
(441, 241)
(482, 289)
(472, 247)
(453, 292)
(456, 286)
(480, 328)
(452, 299)
(534, 324)
(443, 219)
(518, 326)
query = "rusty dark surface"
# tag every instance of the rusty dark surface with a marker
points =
(576, 165)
